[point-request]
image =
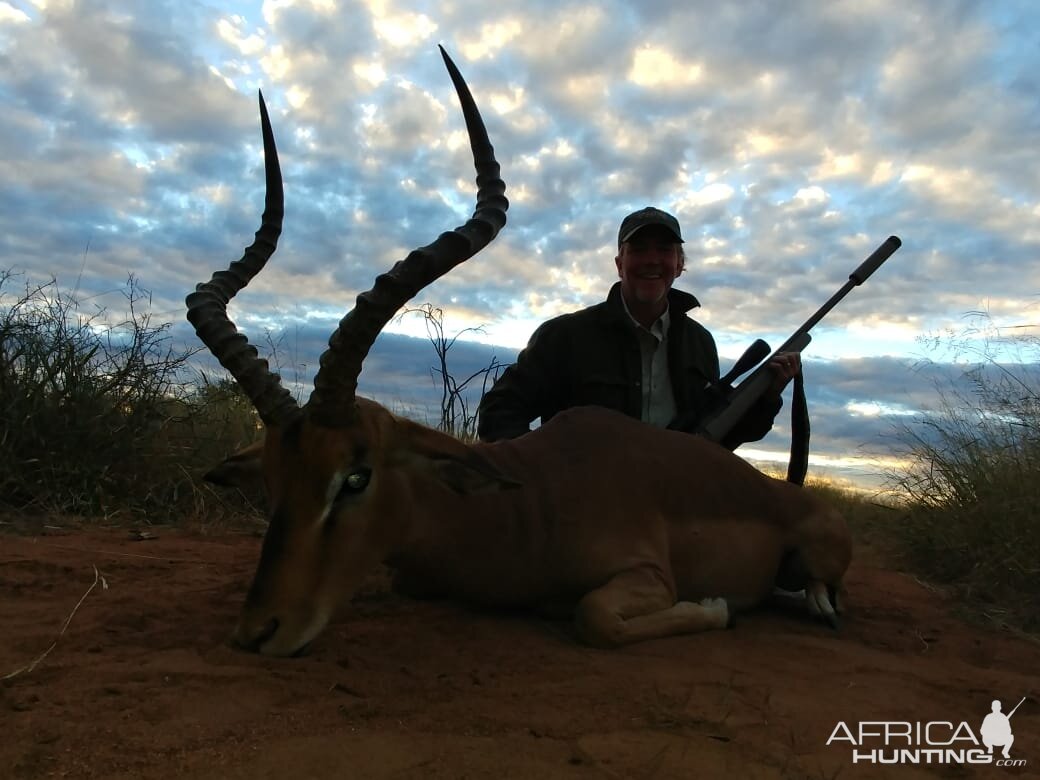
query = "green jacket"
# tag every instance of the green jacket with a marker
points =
(591, 357)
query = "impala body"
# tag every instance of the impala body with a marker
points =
(647, 532)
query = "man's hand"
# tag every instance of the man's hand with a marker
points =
(785, 367)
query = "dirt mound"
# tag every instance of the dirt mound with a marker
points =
(144, 684)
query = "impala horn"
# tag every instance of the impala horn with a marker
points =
(207, 306)
(333, 400)
(332, 403)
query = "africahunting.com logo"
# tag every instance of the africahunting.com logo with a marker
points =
(931, 742)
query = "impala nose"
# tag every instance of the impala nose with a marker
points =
(251, 638)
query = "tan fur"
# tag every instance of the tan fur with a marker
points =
(648, 532)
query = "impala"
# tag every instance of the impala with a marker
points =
(644, 532)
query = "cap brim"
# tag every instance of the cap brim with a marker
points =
(635, 230)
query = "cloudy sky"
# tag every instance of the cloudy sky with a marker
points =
(789, 138)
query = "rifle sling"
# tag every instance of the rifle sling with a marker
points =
(798, 464)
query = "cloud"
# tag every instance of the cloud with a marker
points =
(789, 143)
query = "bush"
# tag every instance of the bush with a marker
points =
(95, 416)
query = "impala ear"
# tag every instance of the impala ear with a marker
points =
(459, 467)
(241, 470)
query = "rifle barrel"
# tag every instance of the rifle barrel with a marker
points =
(872, 263)
(856, 278)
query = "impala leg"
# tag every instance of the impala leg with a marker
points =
(639, 604)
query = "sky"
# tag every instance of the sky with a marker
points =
(790, 139)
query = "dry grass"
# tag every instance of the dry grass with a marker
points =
(972, 486)
(98, 579)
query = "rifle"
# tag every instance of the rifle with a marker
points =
(1016, 708)
(734, 403)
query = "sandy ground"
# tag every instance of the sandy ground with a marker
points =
(143, 683)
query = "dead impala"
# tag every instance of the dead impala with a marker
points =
(647, 532)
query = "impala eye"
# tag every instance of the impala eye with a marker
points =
(355, 482)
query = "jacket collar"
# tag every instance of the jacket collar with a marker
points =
(679, 303)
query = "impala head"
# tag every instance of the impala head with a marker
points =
(340, 469)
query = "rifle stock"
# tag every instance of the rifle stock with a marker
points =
(740, 399)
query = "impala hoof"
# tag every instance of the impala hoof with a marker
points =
(818, 596)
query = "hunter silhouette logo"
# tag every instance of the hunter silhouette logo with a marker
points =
(931, 742)
(996, 729)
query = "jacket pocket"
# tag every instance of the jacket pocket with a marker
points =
(603, 390)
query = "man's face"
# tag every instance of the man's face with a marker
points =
(648, 264)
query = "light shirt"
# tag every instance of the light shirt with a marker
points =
(658, 407)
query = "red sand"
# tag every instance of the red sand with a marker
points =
(145, 684)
